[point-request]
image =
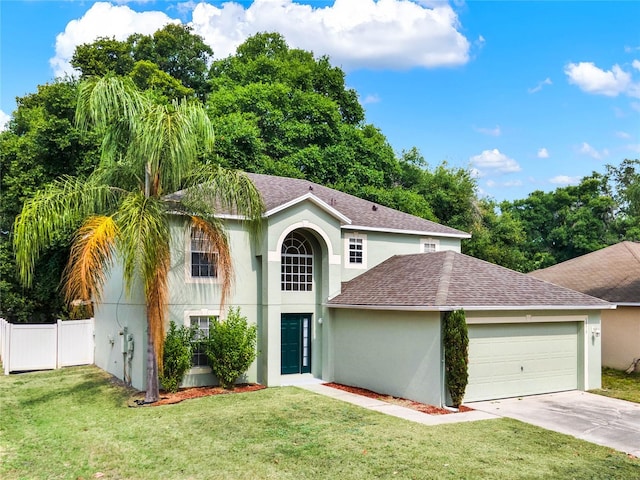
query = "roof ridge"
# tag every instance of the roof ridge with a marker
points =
(445, 279)
(635, 255)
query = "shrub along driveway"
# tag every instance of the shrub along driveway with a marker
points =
(602, 420)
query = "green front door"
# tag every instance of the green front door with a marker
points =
(295, 343)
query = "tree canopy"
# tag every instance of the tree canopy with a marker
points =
(283, 111)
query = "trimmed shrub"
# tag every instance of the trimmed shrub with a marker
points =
(455, 338)
(231, 347)
(176, 359)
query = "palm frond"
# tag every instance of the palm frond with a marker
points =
(54, 211)
(212, 189)
(112, 105)
(144, 240)
(171, 138)
(90, 259)
(214, 239)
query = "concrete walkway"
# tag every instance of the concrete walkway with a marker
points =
(397, 410)
(597, 419)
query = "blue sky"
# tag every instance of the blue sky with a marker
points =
(530, 95)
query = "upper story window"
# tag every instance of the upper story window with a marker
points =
(429, 245)
(355, 247)
(296, 271)
(203, 264)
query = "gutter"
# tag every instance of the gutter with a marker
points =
(470, 308)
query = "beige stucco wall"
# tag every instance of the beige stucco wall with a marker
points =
(620, 337)
(395, 353)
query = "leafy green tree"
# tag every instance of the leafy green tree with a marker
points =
(41, 144)
(496, 237)
(176, 50)
(566, 223)
(104, 55)
(231, 347)
(148, 150)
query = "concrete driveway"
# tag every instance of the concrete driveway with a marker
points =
(594, 418)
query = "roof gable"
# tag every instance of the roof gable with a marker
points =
(280, 192)
(446, 280)
(612, 273)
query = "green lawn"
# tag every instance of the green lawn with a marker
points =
(617, 384)
(73, 423)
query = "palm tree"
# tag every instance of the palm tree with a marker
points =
(148, 151)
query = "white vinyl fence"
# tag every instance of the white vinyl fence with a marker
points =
(26, 347)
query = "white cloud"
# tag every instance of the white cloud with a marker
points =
(588, 150)
(509, 184)
(564, 180)
(543, 153)
(636, 64)
(623, 135)
(354, 33)
(538, 87)
(493, 132)
(371, 98)
(592, 79)
(103, 20)
(494, 161)
(4, 120)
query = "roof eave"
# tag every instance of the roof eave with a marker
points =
(407, 232)
(474, 308)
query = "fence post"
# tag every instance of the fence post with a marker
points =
(6, 338)
(58, 329)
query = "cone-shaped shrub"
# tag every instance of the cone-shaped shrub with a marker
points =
(456, 354)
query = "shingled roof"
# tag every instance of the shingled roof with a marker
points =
(279, 191)
(446, 280)
(612, 273)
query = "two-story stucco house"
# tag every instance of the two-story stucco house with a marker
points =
(343, 289)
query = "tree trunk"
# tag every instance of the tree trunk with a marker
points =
(153, 385)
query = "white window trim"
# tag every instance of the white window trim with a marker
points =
(347, 263)
(187, 322)
(428, 241)
(188, 278)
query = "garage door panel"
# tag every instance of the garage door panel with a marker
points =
(521, 359)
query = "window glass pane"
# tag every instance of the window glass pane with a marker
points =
(202, 264)
(296, 263)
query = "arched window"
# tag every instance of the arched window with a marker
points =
(296, 271)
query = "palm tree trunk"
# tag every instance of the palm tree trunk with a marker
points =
(153, 388)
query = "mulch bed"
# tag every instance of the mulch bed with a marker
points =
(168, 398)
(421, 407)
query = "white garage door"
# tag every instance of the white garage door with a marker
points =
(510, 360)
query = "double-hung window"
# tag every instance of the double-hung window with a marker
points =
(202, 264)
(355, 250)
(201, 323)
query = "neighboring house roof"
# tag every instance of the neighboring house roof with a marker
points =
(612, 273)
(278, 193)
(447, 279)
